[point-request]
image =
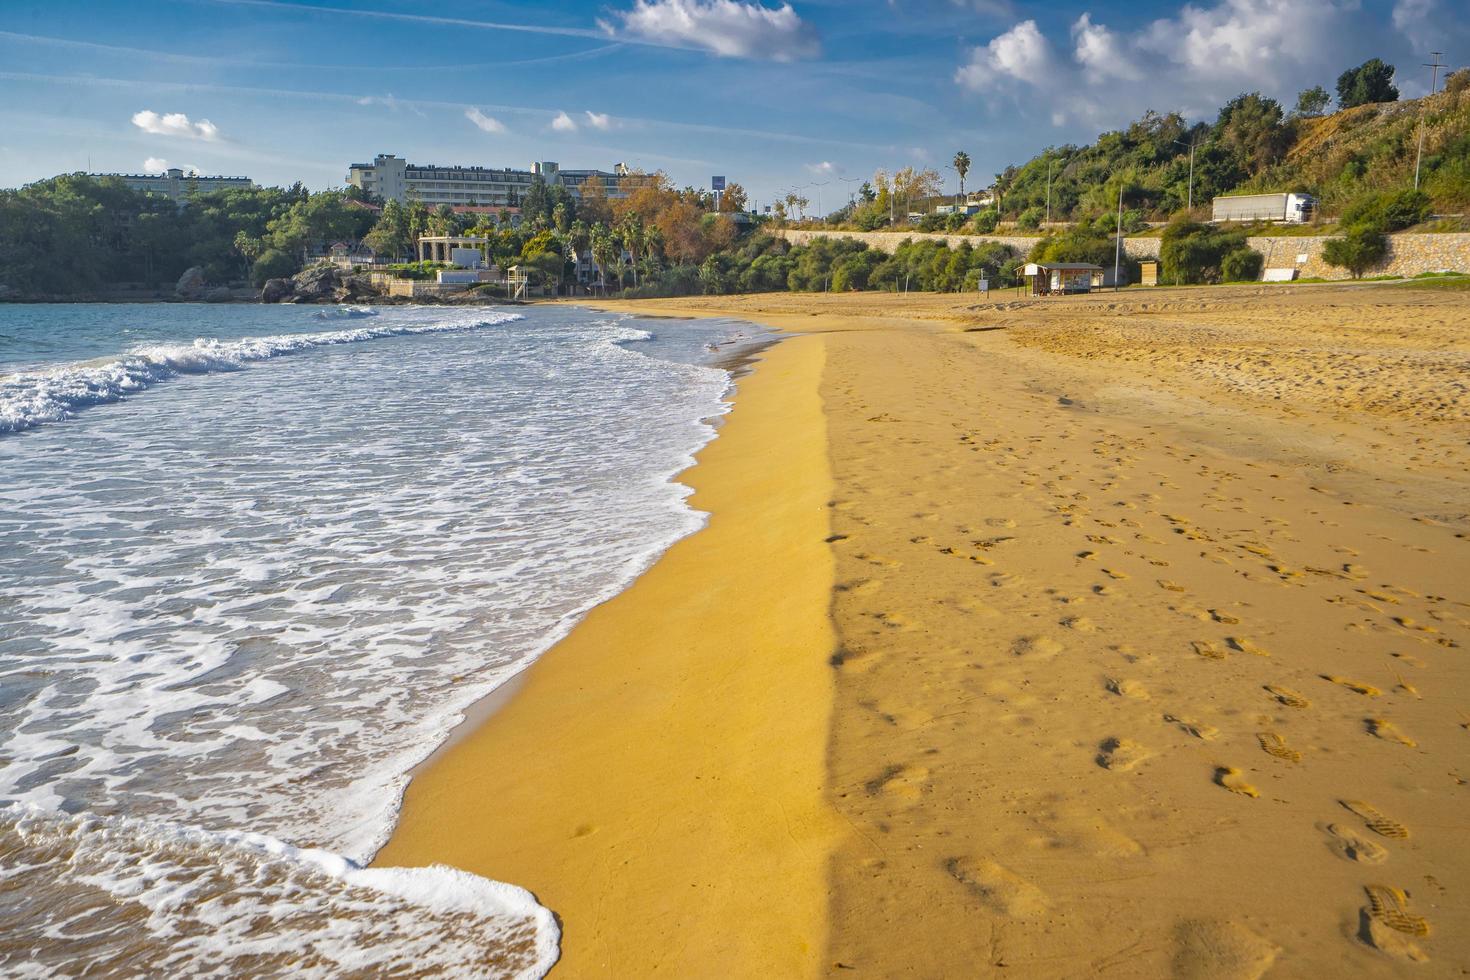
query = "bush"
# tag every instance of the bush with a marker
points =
(1030, 218)
(1388, 210)
(1457, 82)
(931, 222)
(1359, 249)
(1194, 253)
(272, 264)
(984, 223)
(1242, 265)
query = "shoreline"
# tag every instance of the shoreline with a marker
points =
(662, 692)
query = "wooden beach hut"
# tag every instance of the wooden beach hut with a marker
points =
(1049, 278)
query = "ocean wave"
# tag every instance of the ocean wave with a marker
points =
(151, 898)
(32, 398)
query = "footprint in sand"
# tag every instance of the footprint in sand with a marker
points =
(1223, 617)
(1170, 586)
(1352, 845)
(1113, 573)
(1376, 820)
(1386, 730)
(999, 889)
(1127, 689)
(1035, 647)
(904, 782)
(1208, 650)
(1246, 646)
(862, 586)
(1196, 728)
(1232, 779)
(1390, 907)
(1358, 687)
(1121, 754)
(1219, 950)
(1274, 745)
(879, 561)
(1287, 696)
(1079, 623)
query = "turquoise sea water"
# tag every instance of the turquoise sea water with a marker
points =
(254, 564)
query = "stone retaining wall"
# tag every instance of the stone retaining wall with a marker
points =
(1408, 254)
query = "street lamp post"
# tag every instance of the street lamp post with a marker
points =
(1049, 165)
(1191, 144)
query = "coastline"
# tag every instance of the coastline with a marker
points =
(707, 679)
(1129, 663)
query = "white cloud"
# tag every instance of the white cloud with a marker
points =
(1414, 20)
(174, 124)
(155, 165)
(1099, 53)
(824, 169)
(1190, 62)
(1021, 53)
(564, 123)
(990, 8)
(598, 120)
(729, 28)
(487, 123)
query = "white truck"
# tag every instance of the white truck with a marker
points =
(1293, 209)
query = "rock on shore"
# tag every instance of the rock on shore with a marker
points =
(318, 284)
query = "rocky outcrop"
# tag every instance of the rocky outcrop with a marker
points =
(276, 291)
(219, 294)
(192, 285)
(319, 284)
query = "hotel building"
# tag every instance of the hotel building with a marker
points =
(176, 185)
(394, 179)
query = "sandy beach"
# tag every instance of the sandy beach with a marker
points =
(1119, 635)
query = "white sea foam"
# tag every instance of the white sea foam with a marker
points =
(150, 898)
(257, 602)
(31, 398)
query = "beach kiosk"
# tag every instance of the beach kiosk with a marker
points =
(1051, 278)
(1148, 272)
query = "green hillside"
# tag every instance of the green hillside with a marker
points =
(1253, 145)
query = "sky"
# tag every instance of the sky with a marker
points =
(812, 95)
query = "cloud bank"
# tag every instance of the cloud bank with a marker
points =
(729, 28)
(1192, 62)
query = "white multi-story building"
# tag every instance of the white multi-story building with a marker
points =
(176, 185)
(392, 178)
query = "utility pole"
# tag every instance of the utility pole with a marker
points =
(1118, 242)
(1049, 164)
(1434, 68)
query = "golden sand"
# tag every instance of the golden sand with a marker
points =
(658, 778)
(1151, 618)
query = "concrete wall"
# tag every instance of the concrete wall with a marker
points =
(1408, 255)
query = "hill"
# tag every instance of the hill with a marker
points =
(1252, 145)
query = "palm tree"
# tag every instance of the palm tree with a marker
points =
(604, 250)
(631, 232)
(962, 167)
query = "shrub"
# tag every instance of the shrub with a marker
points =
(1457, 82)
(1388, 210)
(931, 222)
(984, 223)
(1195, 253)
(1242, 265)
(1030, 218)
(1359, 249)
(272, 264)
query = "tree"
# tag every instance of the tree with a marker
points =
(962, 167)
(1250, 127)
(734, 198)
(1312, 102)
(1372, 81)
(1359, 249)
(390, 237)
(272, 264)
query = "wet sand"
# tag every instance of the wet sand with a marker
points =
(1150, 622)
(658, 779)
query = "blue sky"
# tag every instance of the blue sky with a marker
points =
(818, 92)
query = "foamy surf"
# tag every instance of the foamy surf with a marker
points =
(150, 898)
(256, 602)
(32, 398)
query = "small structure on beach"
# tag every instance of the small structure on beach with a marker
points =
(468, 251)
(1048, 278)
(1148, 273)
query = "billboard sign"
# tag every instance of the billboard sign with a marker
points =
(717, 183)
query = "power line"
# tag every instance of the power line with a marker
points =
(1434, 68)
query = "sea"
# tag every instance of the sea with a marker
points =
(256, 563)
